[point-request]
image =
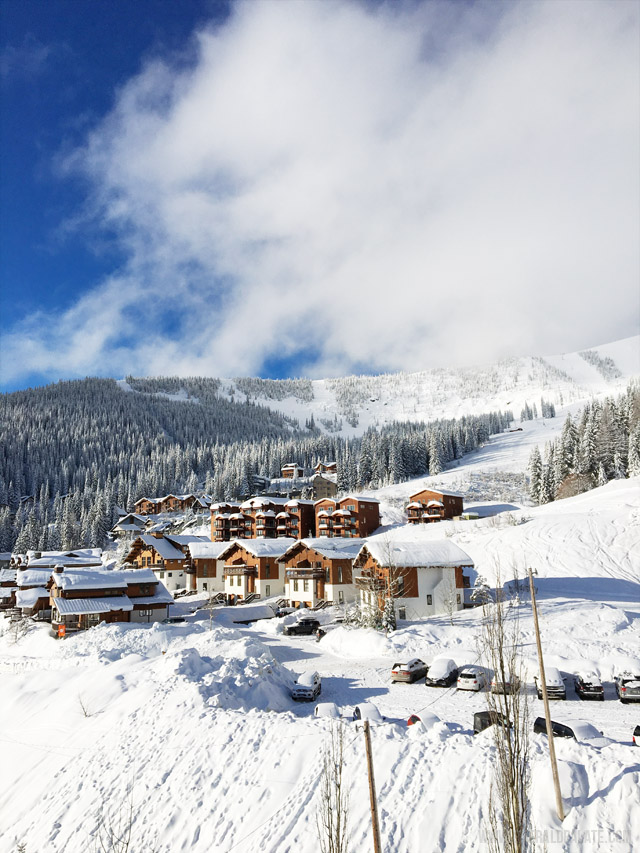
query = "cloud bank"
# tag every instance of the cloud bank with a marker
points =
(348, 188)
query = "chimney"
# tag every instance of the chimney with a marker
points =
(59, 569)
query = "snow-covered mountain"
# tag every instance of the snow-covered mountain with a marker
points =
(349, 405)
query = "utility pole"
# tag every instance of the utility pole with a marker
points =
(547, 714)
(377, 848)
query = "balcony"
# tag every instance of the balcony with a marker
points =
(305, 574)
(234, 571)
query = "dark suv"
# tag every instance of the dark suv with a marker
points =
(588, 686)
(306, 625)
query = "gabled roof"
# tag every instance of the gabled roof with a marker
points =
(166, 550)
(436, 491)
(185, 538)
(331, 548)
(28, 597)
(262, 547)
(89, 580)
(206, 550)
(432, 553)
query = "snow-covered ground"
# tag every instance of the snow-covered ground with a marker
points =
(192, 723)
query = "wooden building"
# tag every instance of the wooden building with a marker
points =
(262, 517)
(320, 570)
(253, 568)
(326, 468)
(425, 578)
(429, 505)
(291, 470)
(170, 503)
(323, 487)
(349, 517)
(81, 599)
(204, 566)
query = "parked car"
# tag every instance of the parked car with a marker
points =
(636, 736)
(367, 711)
(442, 673)
(588, 686)
(510, 685)
(323, 630)
(327, 709)
(410, 671)
(558, 729)
(483, 719)
(556, 688)
(173, 620)
(305, 625)
(307, 687)
(589, 734)
(426, 718)
(470, 678)
(628, 687)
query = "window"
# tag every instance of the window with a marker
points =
(267, 590)
(205, 570)
(162, 574)
(295, 586)
(169, 574)
(144, 612)
(458, 599)
(340, 597)
(429, 599)
(268, 570)
(204, 587)
(351, 507)
(400, 585)
(402, 613)
(305, 586)
(340, 574)
(327, 576)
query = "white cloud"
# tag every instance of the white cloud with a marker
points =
(394, 186)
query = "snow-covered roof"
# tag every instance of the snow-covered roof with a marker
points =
(262, 500)
(262, 547)
(185, 538)
(79, 557)
(436, 552)
(282, 515)
(29, 597)
(135, 575)
(160, 596)
(8, 575)
(334, 549)
(341, 512)
(166, 550)
(81, 606)
(435, 503)
(33, 577)
(7, 591)
(265, 512)
(299, 502)
(414, 505)
(70, 579)
(437, 492)
(206, 550)
(359, 498)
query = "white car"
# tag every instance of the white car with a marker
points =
(586, 733)
(367, 711)
(307, 687)
(556, 688)
(327, 709)
(470, 678)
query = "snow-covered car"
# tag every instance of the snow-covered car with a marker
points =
(173, 620)
(589, 734)
(556, 688)
(470, 678)
(367, 711)
(588, 686)
(442, 673)
(323, 630)
(306, 625)
(483, 719)
(327, 709)
(628, 687)
(308, 686)
(511, 684)
(557, 729)
(410, 671)
(636, 736)
(426, 718)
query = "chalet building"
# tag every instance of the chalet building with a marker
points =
(80, 599)
(7, 588)
(32, 591)
(431, 505)
(253, 567)
(128, 525)
(222, 522)
(204, 567)
(425, 578)
(170, 503)
(323, 487)
(326, 468)
(320, 570)
(291, 471)
(165, 559)
(350, 517)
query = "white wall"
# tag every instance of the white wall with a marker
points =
(173, 579)
(157, 614)
(439, 583)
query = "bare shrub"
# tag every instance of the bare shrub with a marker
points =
(333, 810)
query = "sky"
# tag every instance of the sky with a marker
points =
(314, 187)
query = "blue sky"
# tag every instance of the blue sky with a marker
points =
(304, 188)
